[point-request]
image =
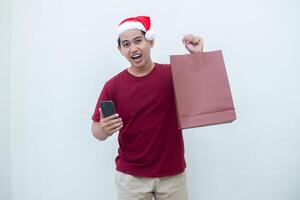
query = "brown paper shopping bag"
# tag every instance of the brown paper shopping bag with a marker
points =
(202, 91)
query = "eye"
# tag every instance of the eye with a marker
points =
(138, 41)
(125, 44)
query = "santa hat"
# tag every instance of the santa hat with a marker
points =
(140, 22)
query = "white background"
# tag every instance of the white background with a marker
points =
(56, 56)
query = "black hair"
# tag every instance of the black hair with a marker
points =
(119, 41)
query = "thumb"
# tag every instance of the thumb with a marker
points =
(101, 114)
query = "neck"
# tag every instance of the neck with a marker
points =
(143, 70)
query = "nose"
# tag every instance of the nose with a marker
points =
(133, 48)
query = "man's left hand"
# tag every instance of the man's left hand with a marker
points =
(193, 44)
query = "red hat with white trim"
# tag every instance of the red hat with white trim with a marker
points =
(140, 22)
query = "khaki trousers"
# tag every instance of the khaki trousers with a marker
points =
(140, 188)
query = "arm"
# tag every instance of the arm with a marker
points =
(107, 126)
(192, 43)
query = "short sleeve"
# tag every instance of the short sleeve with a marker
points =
(105, 94)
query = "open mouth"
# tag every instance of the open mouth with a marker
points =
(136, 56)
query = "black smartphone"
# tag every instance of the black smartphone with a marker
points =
(107, 108)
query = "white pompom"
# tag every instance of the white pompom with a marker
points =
(150, 35)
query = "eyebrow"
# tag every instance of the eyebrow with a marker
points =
(138, 37)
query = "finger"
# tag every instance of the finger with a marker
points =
(117, 128)
(111, 122)
(114, 126)
(196, 40)
(101, 114)
(202, 42)
(106, 119)
(114, 130)
(189, 38)
(193, 39)
(186, 39)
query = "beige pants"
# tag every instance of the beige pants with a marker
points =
(139, 188)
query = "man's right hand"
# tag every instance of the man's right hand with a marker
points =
(110, 124)
(107, 126)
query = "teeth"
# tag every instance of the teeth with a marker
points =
(136, 56)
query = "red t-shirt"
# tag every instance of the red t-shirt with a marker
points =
(150, 143)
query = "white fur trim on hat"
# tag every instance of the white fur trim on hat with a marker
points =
(128, 26)
(150, 35)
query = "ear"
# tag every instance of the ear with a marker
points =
(151, 43)
(120, 50)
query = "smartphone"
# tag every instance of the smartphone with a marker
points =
(107, 108)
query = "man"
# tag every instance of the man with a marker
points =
(150, 161)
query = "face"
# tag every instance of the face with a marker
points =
(135, 48)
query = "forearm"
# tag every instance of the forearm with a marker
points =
(98, 131)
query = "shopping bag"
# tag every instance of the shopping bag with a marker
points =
(202, 90)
